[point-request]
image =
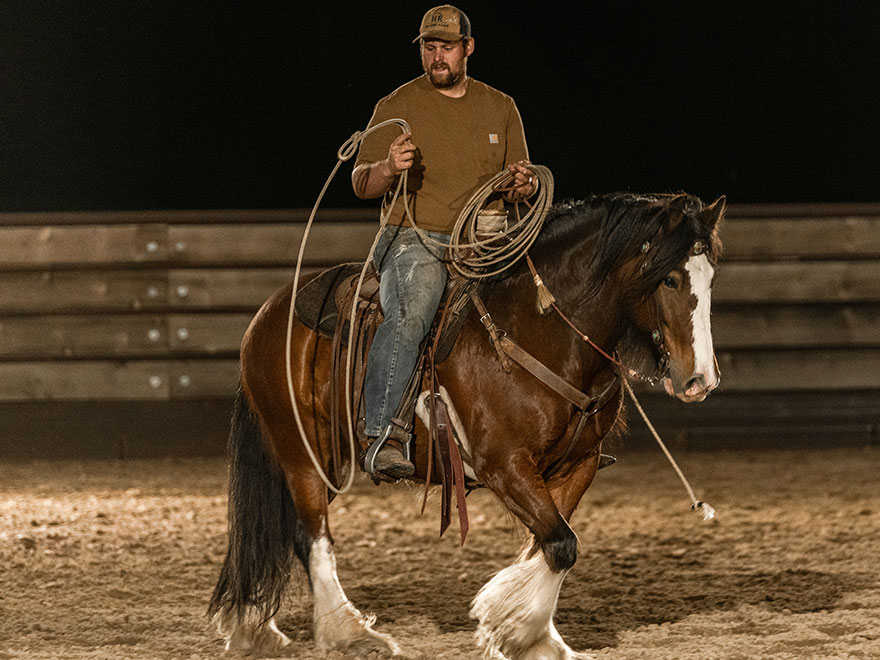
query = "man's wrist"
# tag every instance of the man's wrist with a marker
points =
(385, 170)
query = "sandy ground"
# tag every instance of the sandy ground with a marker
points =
(117, 560)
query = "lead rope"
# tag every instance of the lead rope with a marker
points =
(699, 506)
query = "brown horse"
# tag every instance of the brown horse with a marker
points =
(634, 272)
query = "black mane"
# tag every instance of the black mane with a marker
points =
(622, 226)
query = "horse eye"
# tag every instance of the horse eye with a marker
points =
(670, 282)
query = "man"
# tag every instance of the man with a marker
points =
(463, 133)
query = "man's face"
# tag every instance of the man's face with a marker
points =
(445, 62)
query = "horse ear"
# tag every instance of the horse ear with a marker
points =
(711, 215)
(683, 206)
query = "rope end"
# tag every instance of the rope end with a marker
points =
(704, 509)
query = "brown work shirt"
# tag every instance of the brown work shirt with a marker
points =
(461, 143)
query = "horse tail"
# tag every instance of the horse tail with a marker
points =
(264, 530)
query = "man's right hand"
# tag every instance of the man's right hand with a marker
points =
(401, 154)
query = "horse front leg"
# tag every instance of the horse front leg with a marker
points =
(515, 608)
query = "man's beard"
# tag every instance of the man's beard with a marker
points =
(443, 78)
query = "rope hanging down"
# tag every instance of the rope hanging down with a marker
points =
(703, 508)
(345, 153)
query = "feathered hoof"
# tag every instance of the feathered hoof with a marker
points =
(374, 641)
(257, 640)
(357, 636)
(549, 647)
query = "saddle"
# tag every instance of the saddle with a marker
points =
(326, 301)
(320, 302)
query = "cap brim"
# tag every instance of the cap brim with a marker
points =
(444, 36)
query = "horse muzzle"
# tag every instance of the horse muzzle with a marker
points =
(694, 390)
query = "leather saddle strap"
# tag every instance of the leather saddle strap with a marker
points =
(507, 348)
(491, 328)
(456, 469)
(543, 373)
(583, 417)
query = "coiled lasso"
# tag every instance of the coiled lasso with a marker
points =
(472, 256)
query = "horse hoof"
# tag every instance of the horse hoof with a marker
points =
(266, 642)
(247, 635)
(364, 642)
(377, 642)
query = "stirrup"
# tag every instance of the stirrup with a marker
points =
(374, 449)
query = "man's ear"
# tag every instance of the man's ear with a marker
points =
(469, 49)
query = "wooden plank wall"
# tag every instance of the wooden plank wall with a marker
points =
(144, 308)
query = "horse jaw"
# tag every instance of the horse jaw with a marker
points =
(705, 377)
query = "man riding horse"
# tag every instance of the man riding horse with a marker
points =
(463, 133)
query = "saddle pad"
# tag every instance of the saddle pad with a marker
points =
(317, 302)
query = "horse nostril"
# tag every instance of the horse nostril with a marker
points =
(696, 384)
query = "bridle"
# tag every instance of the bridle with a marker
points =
(661, 368)
(662, 364)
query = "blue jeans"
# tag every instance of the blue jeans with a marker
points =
(412, 280)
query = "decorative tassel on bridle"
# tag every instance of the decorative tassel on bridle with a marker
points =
(545, 299)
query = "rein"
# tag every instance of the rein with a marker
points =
(703, 508)
(656, 335)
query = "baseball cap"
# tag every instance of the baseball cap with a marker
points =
(444, 22)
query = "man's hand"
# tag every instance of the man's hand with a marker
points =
(371, 180)
(525, 181)
(401, 154)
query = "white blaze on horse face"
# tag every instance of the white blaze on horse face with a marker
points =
(701, 272)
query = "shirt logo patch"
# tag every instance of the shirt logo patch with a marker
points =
(493, 138)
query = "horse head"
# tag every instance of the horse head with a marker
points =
(645, 289)
(675, 275)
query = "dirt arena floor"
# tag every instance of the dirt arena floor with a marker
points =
(117, 560)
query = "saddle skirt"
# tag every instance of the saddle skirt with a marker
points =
(321, 301)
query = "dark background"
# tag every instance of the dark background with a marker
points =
(149, 105)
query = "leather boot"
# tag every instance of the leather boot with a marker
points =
(390, 460)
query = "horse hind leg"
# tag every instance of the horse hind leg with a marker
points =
(336, 622)
(278, 511)
(338, 625)
(515, 608)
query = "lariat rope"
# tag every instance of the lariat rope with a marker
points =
(473, 259)
(344, 154)
(505, 248)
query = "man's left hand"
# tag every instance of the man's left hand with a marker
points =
(525, 181)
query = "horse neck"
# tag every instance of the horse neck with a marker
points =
(512, 303)
(564, 268)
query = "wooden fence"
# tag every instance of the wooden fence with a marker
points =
(140, 311)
